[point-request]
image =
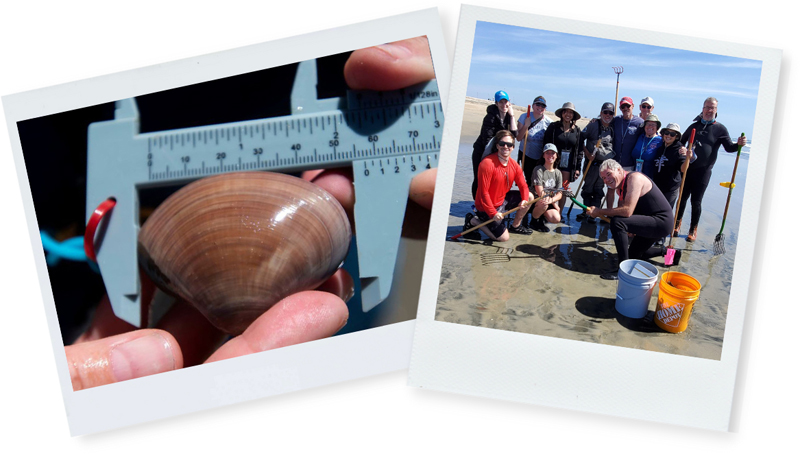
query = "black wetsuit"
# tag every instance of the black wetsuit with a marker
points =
(707, 140)
(651, 219)
(492, 124)
(668, 174)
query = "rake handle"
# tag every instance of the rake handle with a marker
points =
(680, 194)
(585, 171)
(730, 189)
(605, 218)
(525, 143)
(459, 235)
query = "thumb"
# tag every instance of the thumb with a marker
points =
(122, 357)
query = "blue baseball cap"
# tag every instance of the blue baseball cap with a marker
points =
(500, 95)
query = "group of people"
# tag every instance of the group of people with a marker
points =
(629, 158)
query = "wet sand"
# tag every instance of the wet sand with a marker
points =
(548, 283)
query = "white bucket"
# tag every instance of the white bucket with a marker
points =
(634, 287)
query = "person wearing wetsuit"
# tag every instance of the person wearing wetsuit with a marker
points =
(709, 136)
(642, 211)
(670, 163)
(499, 116)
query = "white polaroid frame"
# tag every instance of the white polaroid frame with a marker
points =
(355, 355)
(572, 374)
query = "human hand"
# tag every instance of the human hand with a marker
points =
(498, 217)
(390, 66)
(112, 350)
(742, 141)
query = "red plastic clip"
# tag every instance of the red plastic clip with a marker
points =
(91, 226)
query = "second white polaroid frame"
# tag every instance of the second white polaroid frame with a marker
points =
(571, 374)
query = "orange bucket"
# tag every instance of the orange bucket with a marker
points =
(677, 294)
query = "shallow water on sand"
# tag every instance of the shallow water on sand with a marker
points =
(548, 283)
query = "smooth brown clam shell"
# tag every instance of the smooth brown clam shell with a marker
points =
(237, 243)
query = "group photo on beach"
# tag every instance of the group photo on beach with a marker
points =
(598, 190)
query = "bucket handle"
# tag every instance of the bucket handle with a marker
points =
(634, 297)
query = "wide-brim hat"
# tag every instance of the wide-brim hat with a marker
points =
(654, 117)
(672, 127)
(569, 106)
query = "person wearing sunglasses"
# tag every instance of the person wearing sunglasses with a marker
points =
(710, 135)
(670, 163)
(496, 174)
(626, 133)
(646, 107)
(592, 191)
(499, 117)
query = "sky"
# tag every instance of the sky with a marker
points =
(526, 62)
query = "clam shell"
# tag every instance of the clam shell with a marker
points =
(235, 244)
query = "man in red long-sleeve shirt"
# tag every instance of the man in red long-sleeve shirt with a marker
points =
(496, 174)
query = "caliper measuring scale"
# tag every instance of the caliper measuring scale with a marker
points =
(386, 137)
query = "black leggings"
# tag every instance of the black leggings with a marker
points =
(648, 230)
(695, 188)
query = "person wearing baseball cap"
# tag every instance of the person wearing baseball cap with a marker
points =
(626, 133)
(547, 179)
(499, 116)
(646, 107)
(603, 130)
(535, 126)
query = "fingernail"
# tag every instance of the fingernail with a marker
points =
(143, 356)
(396, 50)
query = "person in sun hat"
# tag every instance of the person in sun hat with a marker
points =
(646, 107)
(592, 192)
(567, 138)
(499, 117)
(644, 152)
(670, 163)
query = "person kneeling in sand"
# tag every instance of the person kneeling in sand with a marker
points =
(643, 212)
(547, 178)
(496, 174)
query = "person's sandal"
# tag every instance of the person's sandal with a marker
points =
(692, 236)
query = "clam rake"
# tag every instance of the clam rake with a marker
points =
(719, 240)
